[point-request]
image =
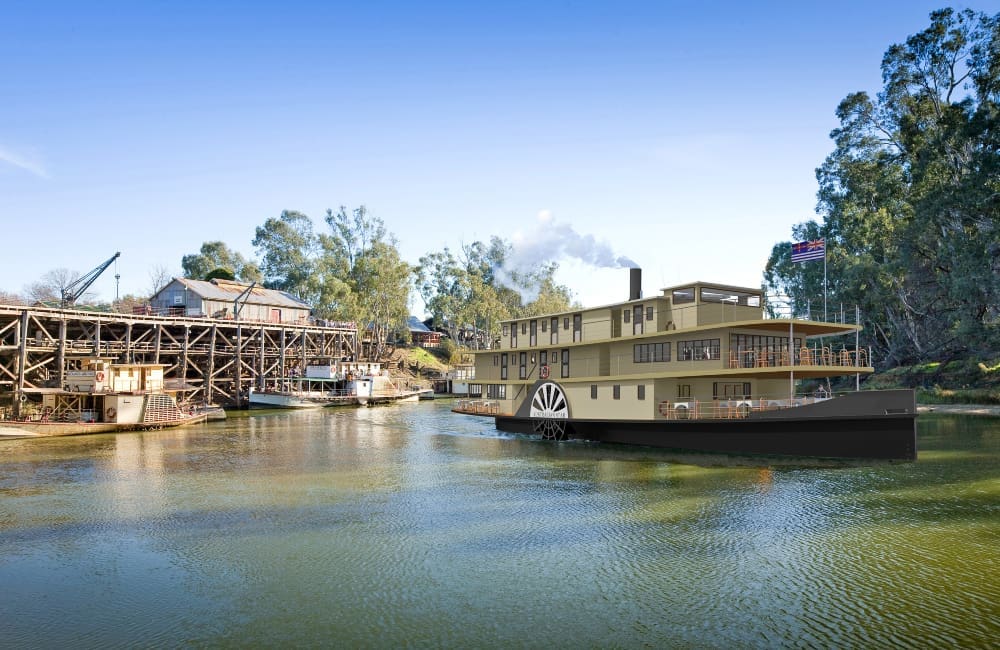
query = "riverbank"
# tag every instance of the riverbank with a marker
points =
(961, 409)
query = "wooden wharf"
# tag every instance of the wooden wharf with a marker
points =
(215, 361)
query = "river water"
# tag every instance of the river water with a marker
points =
(408, 525)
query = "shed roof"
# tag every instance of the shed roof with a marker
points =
(416, 325)
(229, 290)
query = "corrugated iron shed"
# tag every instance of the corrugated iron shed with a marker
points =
(228, 290)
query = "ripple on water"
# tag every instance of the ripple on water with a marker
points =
(410, 526)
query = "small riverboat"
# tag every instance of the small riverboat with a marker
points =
(380, 388)
(99, 396)
(699, 368)
(303, 394)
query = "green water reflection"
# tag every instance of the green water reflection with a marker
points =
(408, 525)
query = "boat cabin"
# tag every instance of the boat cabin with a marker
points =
(704, 343)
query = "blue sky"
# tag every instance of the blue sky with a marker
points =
(683, 136)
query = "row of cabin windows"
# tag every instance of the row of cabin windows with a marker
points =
(635, 314)
(616, 391)
(720, 390)
(704, 349)
(503, 360)
(530, 329)
(637, 310)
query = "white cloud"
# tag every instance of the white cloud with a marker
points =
(20, 161)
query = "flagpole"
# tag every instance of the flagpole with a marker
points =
(824, 279)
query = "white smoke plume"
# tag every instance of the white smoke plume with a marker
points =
(550, 241)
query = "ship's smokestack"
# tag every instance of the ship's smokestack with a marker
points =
(635, 284)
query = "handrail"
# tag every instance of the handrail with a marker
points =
(780, 358)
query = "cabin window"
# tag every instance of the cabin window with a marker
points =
(533, 333)
(730, 297)
(554, 336)
(627, 315)
(641, 392)
(496, 391)
(505, 330)
(683, 390)
(637, 320)
(475, 390)
(522, 371)
(593, 391)
(577, 328)
(683, 295)
(650, 352)
(503, 366)
(701, 350)
(524, 328)
(565, 364)
(649, 313)
(566, 322)
(545, 324)
(543, 358)
(496, 360)
(745, 350)
(513, 335)
(721, 390)
(616, 391)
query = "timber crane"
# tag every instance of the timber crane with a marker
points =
(237, 305)
(75, 289)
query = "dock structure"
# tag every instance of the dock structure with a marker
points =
(211, 360)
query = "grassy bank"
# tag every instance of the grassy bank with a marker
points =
(967, 381)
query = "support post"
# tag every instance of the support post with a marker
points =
(211, 366)
(61, 358)
(260, 363)
(22, 362)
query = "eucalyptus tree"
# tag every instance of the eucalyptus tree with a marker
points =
(442, 284)
(477, 289)
(288, 249)
(909, 196)
(215, 255)
(372, 281)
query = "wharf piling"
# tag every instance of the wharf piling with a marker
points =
(212, 360)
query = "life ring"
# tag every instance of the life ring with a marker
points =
(99, 376)
(23, 397)
(665, 408)
(544, 372)
(110, 413)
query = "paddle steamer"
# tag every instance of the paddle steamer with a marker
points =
(100, 396)
(699, 368)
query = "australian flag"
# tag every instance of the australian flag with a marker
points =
(806, 251)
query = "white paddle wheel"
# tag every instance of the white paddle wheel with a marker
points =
(549, 411)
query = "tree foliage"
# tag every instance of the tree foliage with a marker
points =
(469, 294)
(217, 255)
(910, 198)
(368, 280)
(50, 287)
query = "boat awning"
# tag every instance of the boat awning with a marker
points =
(807, 328)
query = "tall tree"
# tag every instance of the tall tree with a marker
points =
(288, 250)
(365, 275)
(911, 197)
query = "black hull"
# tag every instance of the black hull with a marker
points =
(877, 425)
